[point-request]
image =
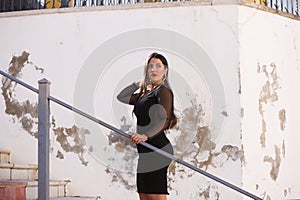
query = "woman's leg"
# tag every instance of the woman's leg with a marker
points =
(143, 196)
(156, 197)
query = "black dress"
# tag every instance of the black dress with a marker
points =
(153, 111)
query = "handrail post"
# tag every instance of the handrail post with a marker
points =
(43, 139)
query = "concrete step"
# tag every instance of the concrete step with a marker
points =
(76, 198)
(13, 190)
(29, 188)
(57, 189)
(10, 171)
(5, 156)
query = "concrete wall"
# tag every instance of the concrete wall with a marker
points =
(269, 55)
(89, 54)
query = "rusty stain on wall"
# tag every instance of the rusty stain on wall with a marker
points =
(275, 163)
(282, 119)
(26, 113)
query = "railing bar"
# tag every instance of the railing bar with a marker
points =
(19, 81)
(161, 152)
(88, 116)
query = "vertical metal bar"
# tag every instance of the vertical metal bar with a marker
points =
(271, 3)
(43, 139)
(64, 3)
(297, 7)
(287, 6)
(3, 5)
(19, 5)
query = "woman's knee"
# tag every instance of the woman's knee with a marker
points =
(143, 196)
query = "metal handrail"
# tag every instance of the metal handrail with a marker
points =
(145, 144)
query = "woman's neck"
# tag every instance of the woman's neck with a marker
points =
(154, 85)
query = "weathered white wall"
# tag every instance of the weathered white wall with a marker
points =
(269, 55)
(90, 54)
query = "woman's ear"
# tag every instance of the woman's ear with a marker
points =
(166, 71)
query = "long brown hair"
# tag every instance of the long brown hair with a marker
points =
(146, 81)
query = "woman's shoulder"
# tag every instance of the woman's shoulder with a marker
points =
(163, 88)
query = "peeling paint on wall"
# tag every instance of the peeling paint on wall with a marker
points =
(117, 176)
(72, 140)
(232, 152)
(242, 112)
(275, 163)
(189, 124)
(193, 142)
(282, 119)
(207, 193)
(268, 95)
(224, 113)
(26, 113)
(283, 149)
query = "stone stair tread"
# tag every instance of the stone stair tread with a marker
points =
(6, 151)
(6, 165)
(76, 198)
(18, 166)
(34, 183)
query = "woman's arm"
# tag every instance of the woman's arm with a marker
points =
(127, 94)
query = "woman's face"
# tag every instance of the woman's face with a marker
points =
(156, 70)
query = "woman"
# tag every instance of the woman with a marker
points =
(154, 110)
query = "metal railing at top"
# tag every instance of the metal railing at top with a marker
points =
(44, 99)
(288, 6)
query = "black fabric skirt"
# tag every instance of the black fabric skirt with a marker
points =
(152, 167)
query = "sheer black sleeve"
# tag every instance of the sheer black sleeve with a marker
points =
(127, 94)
